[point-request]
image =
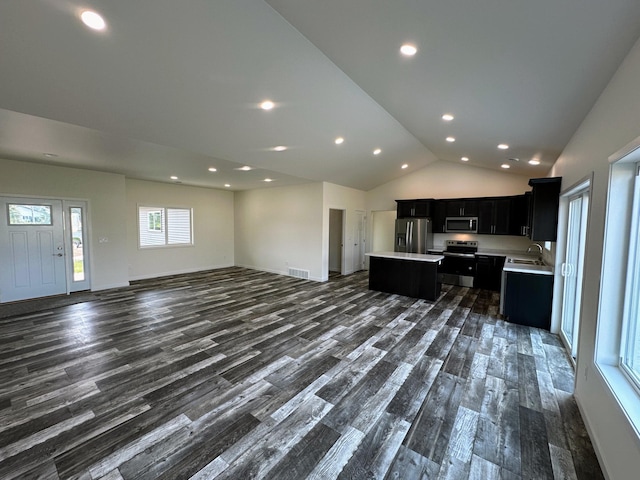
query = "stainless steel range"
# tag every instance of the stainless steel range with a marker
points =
(459, 264)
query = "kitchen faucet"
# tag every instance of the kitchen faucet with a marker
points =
(538, 246)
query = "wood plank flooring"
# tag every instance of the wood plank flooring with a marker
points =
(240, 374)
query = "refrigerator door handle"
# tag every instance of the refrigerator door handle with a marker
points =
(413, 238)
(406, 237)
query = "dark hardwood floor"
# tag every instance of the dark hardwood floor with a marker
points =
(240, 374)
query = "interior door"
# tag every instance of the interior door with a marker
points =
(358, 241)
(571, 271)
(32, 252)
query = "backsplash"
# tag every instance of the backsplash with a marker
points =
(488, 242)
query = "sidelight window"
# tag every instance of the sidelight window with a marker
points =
(164, 226)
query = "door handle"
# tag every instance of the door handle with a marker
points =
(57, 255)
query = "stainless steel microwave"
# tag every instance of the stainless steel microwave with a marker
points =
(461, 225)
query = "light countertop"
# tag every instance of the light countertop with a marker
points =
(524, 268)
(418, 257)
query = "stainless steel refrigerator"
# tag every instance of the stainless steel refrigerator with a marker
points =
(413, 235)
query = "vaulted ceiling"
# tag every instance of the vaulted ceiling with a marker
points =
(173, 88)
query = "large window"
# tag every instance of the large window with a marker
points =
(164, 226)
(618, 331)
(630, 342)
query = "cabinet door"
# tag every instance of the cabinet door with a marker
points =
(528, 299)
(546, 200)
(520, 207)
(486, 216)
(422, 208)
(438, 210)
(454, 208)
(501, 216)
(483, 272)
(470, 207)
(405, 208)
(463, 207)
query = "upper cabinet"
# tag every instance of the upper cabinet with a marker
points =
(545, 200)
(413, 208)
(533, 214)
(494, 216)
(521, 215)
(463, 207)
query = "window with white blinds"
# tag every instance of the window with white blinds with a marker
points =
(162, 226)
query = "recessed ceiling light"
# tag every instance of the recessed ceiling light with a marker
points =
(408, 50)
(465, 159)
(267, 105)
(268, 180)
(339, 140)
(377, 151)
(93, 20)
(534, 161)
(405, 166)
(505, 165)
(246, 168)
(451, 139)
(213, 169)
(447, 117)
(173, 177)
(227, 185)
(503, 146)
(279, 148)
(50, 155)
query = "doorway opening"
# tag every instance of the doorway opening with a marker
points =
(358, 241)
(336, 241)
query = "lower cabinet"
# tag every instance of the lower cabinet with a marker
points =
(488, 272)
(528, 299)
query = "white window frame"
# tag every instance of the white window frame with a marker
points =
(617, 293)
(166, 230)
(632, 291)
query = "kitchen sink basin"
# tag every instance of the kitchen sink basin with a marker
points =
(526, 261)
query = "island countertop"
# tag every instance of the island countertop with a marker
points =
(419, 257)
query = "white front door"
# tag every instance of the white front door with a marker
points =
(32, 252)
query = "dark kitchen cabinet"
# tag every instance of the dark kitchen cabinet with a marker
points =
(463, 207)
(438, 215)
(410, 278)
(489, 272)
(545, 198)
(413, 208)
(528, 299)
(520, 222)
(494, 216)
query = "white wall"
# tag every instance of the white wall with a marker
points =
(105, 193)
(447, 180)
(450, 180)
(612, 123)
(281, 227)
(213, 218)
(350, 200)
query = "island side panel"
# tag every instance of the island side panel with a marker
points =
(410, 278)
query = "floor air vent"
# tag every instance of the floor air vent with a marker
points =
(299, 273)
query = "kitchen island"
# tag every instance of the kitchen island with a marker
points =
(410, 274)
